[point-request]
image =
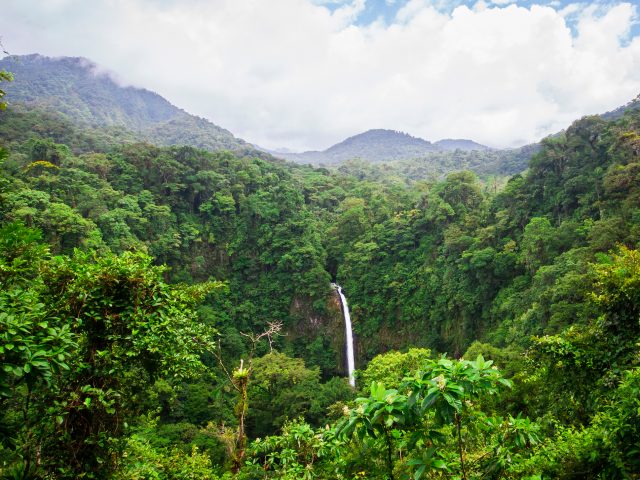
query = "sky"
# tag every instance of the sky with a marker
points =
(305, 74)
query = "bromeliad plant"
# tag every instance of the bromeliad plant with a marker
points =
(434, 423)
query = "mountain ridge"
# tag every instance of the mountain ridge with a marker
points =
(459, 144)
(380, 145)
(77, 88)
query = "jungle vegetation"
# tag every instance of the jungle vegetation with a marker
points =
(166, 312)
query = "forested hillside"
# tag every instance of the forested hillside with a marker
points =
(489, 165)
(166, 312)
(87, 95)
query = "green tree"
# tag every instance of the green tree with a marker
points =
(438, 424)
(283, 388)
(85, 336)
(4, 77)
(537, 244)
(392, 367)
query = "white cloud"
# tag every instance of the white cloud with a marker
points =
(480, 6)
(329, 2)
(411, 9)
(571, 9)
(292, 73)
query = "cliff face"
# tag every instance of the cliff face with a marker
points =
(319, 336)
(313, 330)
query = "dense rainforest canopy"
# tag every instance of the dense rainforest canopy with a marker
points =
(167, 312)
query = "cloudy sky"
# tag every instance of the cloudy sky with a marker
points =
(305, 74)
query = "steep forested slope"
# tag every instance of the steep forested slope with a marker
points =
(78, 89)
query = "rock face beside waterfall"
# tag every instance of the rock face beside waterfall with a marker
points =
(322, 333)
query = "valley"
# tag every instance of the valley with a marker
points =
(169, 304)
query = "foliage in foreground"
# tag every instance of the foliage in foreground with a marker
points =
(83, 338)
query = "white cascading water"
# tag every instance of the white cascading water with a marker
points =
(351, 362)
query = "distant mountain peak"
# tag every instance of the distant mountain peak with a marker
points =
(385, 137)
(381, 145)
(459, 144)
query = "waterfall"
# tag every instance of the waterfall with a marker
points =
(348, 336)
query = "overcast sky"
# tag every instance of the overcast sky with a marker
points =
(305, 74)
